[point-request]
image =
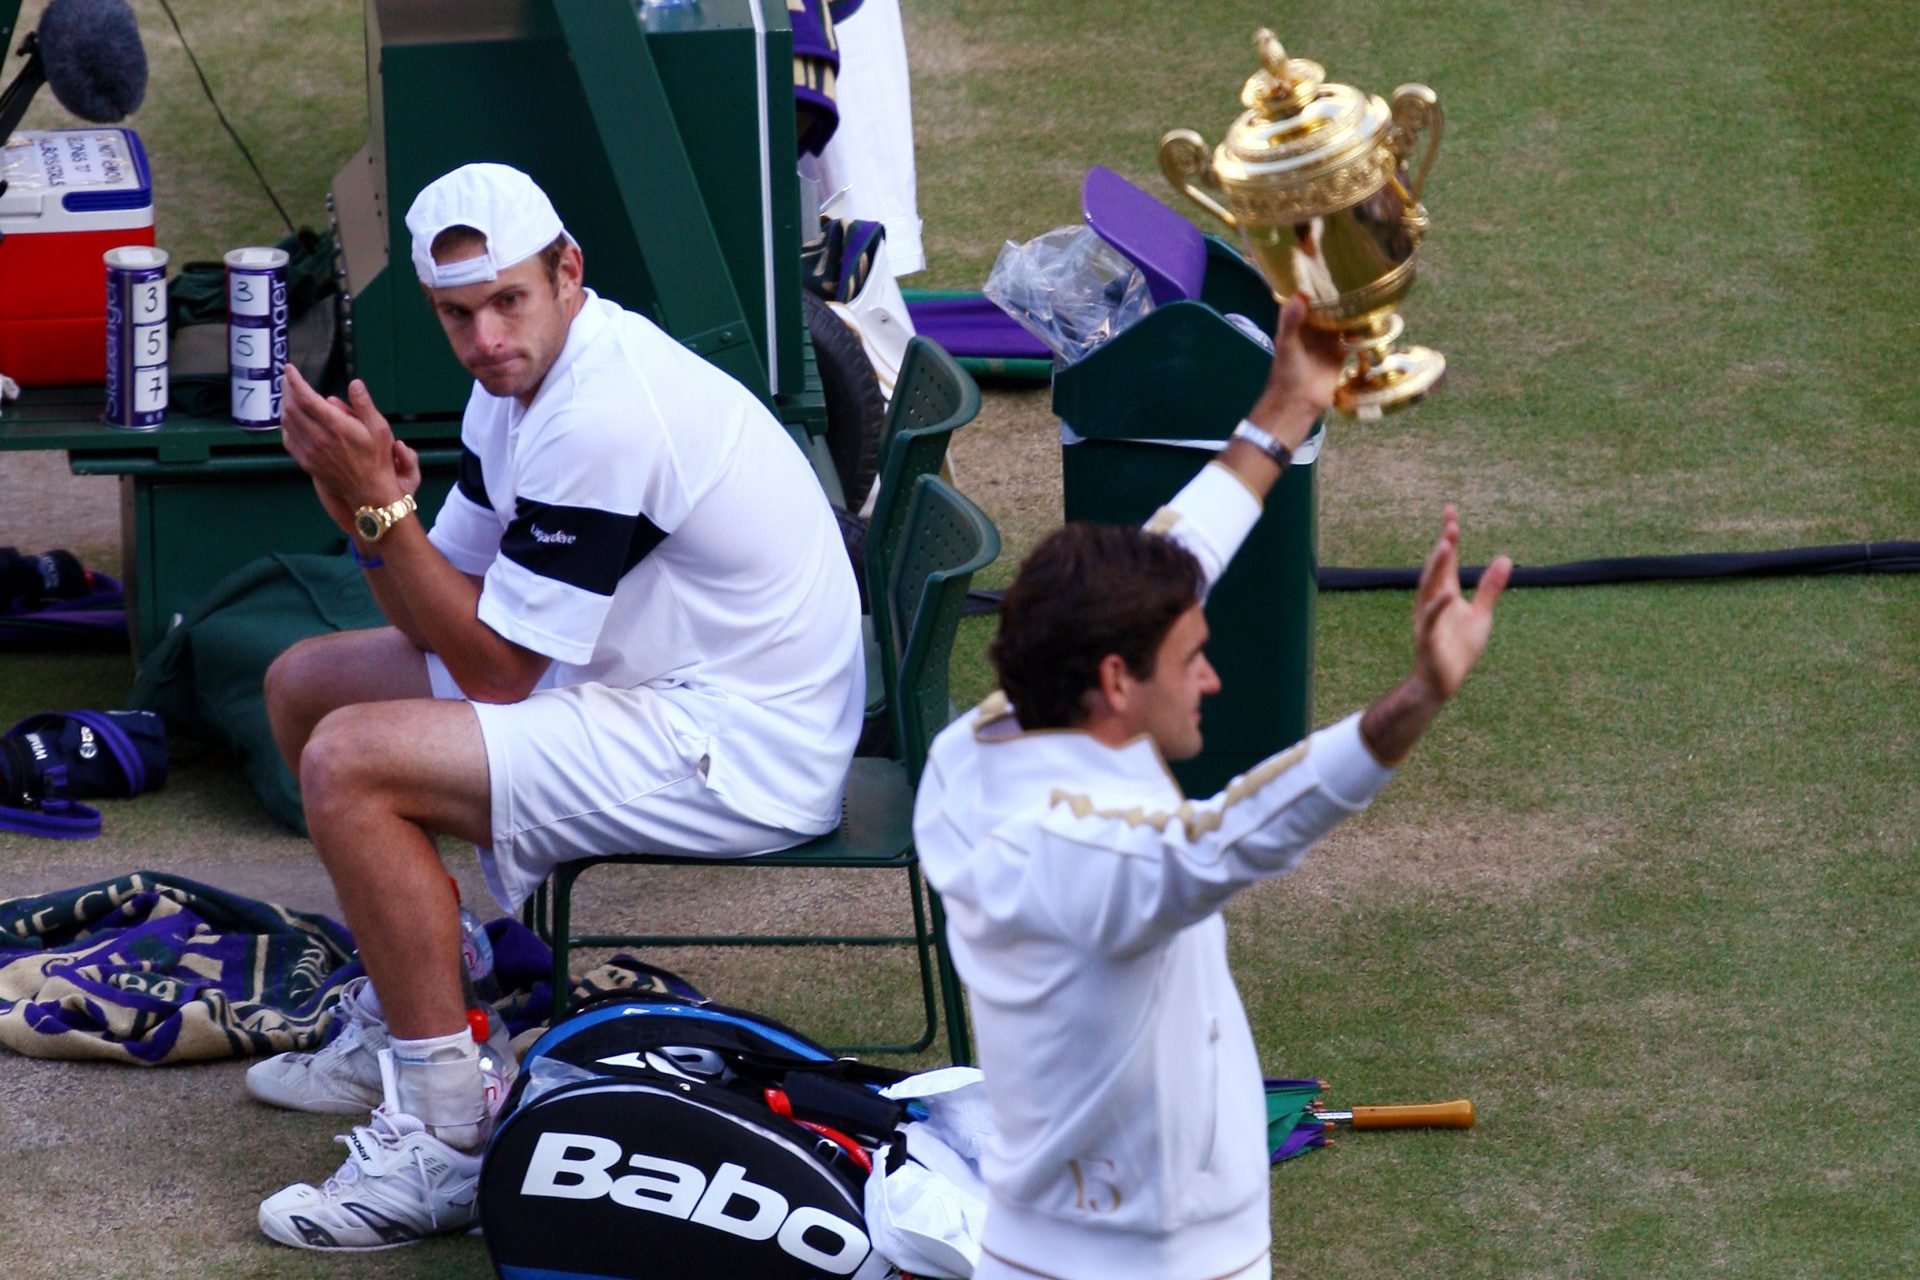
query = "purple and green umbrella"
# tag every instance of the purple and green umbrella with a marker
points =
(1298, 1121)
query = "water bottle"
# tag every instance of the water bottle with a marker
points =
(476, 952)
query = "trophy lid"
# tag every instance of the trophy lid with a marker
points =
(1297, 128)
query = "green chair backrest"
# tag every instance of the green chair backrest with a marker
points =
(948, 540)
(932, 398)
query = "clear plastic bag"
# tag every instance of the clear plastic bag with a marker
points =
(1068, 288)
(546, 1074)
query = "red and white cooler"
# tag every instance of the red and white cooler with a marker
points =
(72, 194)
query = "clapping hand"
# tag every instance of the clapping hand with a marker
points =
(347, 448)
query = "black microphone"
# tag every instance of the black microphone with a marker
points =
(89, 51)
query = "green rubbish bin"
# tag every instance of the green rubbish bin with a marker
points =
(1140, 416)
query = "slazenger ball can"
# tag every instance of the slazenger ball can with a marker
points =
(136, 337)
(256, 334)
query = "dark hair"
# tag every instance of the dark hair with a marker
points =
(459, 234)
(550, 258)
(1087, 591)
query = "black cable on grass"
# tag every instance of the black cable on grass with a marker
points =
(246, 154)
(1851, 557)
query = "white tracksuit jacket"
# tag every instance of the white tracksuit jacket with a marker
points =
(1083, 895)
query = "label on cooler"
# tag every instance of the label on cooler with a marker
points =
(55, 160)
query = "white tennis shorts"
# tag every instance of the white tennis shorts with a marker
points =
(585, 770)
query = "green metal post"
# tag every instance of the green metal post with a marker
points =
(654, 178)
(9, 18)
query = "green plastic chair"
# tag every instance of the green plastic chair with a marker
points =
(948, 539)
(932, 398)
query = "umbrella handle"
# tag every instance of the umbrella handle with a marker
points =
(1457, 1114)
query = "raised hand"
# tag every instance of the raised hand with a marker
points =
(1449, 635)
(346, 446)
(1449, 630)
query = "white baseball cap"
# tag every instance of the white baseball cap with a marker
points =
(501, 203)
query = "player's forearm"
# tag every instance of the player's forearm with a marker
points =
(390, 597)
(1286, 414)
(1299, 387)
(1286, 423)
(1212, 515)
(1262, 825)
(1394, 722)
(436, 607)
(1252, 466)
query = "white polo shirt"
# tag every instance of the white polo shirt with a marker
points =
(646, 521)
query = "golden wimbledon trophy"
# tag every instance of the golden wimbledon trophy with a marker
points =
(1314, 178)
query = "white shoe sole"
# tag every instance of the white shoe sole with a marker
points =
(265, 1088)
(281, 1233)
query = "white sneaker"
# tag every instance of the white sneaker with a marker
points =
(400, 1184)
(343, 1077)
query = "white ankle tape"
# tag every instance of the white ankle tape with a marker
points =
(454, 1046)
(436, 1082)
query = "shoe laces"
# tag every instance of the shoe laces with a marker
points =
(374, 1150)
(358, 1021)
(379, 1149)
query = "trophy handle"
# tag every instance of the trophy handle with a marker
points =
(1185, 160)
(1416, 111)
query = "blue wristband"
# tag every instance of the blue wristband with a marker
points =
(365, 562)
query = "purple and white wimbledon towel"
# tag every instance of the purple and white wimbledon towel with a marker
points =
(153, 969)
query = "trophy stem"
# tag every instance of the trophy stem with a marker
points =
(1380, 377)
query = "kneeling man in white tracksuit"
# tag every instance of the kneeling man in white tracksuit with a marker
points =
(1083, 891)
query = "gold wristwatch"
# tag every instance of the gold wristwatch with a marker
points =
(372, 523)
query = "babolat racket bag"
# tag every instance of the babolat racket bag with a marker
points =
(656, 1139)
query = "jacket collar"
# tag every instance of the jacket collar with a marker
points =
(1026, 766)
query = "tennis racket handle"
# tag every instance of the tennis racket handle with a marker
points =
(1457, 1114)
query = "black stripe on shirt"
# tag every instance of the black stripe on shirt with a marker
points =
(473, 480)
(581, 546)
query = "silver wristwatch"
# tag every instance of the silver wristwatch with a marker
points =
(1261, 439)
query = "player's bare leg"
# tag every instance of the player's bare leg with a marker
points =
(379, 779)
(324, 673)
